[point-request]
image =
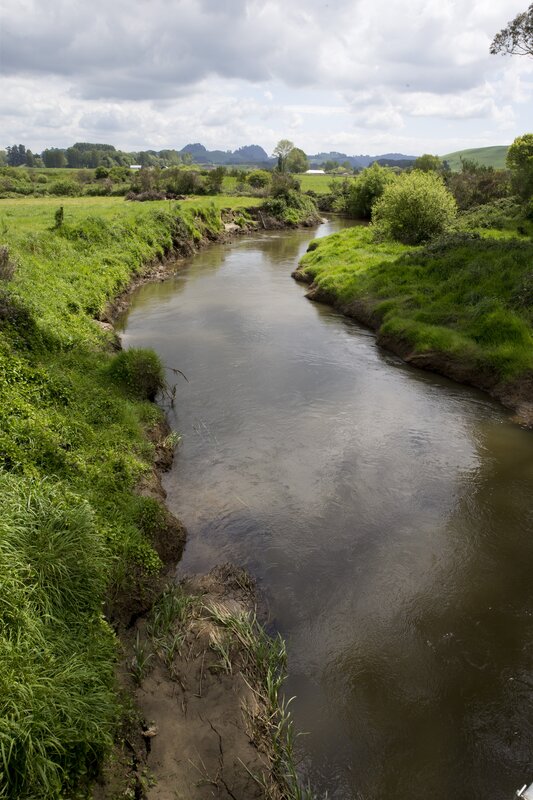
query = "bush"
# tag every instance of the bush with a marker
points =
(140, 371)
(414, 208)
(258, 178)
(64, 188)
(366, 189)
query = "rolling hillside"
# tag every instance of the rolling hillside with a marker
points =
(488, 156)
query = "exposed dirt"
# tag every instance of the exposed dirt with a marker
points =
(193, 736)
(516, 395)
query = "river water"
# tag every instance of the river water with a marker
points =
(386, 513)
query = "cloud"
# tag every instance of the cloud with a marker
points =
(205, 69)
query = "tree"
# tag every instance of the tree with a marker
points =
(477, 184)
(30, 159)
(297, 161)
(414, 208)
(428, 163)
(366, 189)
(517, 38)
(54, 157)
(520, 164)
(16, 155)
(281, 152)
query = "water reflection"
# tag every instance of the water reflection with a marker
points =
(386, 513)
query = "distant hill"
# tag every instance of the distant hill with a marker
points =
(486, 156)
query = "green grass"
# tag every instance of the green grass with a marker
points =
(73, 448)
(468, 297)
(317, 183)
(37, 213)
(485, 156)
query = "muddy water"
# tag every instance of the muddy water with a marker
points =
(386, 513)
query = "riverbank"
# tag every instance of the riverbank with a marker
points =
(84, 529)
(461, 307)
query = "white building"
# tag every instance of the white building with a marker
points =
(315, 172)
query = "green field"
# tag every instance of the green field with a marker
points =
(317, 183)
(485, 156)
(37, 213)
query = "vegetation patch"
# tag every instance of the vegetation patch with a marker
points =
(462, 295)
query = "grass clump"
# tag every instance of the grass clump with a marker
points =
(140, 371)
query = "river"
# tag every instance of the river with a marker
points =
(386, 513)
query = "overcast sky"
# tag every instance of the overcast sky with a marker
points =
(358, 76)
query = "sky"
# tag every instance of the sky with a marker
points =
(355, 76)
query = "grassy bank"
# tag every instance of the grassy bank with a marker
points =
(462, 305)
(83, 534)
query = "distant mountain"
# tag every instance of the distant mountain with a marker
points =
(486, 156)
(249, 154)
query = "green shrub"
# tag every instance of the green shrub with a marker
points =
(366, 189)
(140, 371)
(414, 208)
(64, 188)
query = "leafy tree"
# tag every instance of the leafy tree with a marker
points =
(16, 155)
(281, 152)
(30, 159)
(54, 157)
(520, 164)
(414, 208)
(3, 158)
(215, 178)
(330, 165)
(517, 37)
(366, 189)
(428, 163)
(297, 161)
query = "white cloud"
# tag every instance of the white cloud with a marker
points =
(149, 73)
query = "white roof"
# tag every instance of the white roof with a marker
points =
(136, 166)
(315, 172)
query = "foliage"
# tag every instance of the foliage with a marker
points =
(292, 208)
(258, 178)
(414, 208)
(281, 152)
(477, 184)
(366, 189)
(428, 163)
(517, 37)
(462, 295)
(520, 163)
(297, 161)
(139, 371)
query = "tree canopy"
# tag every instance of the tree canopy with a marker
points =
(281, 152)
(520, 164)
(517, 37)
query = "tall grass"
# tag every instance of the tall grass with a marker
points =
(73, 532)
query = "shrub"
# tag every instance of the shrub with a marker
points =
(140, 371)
(366, 189)
(258, 178)
(7, 266)
(64, 188)
(414, 208)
